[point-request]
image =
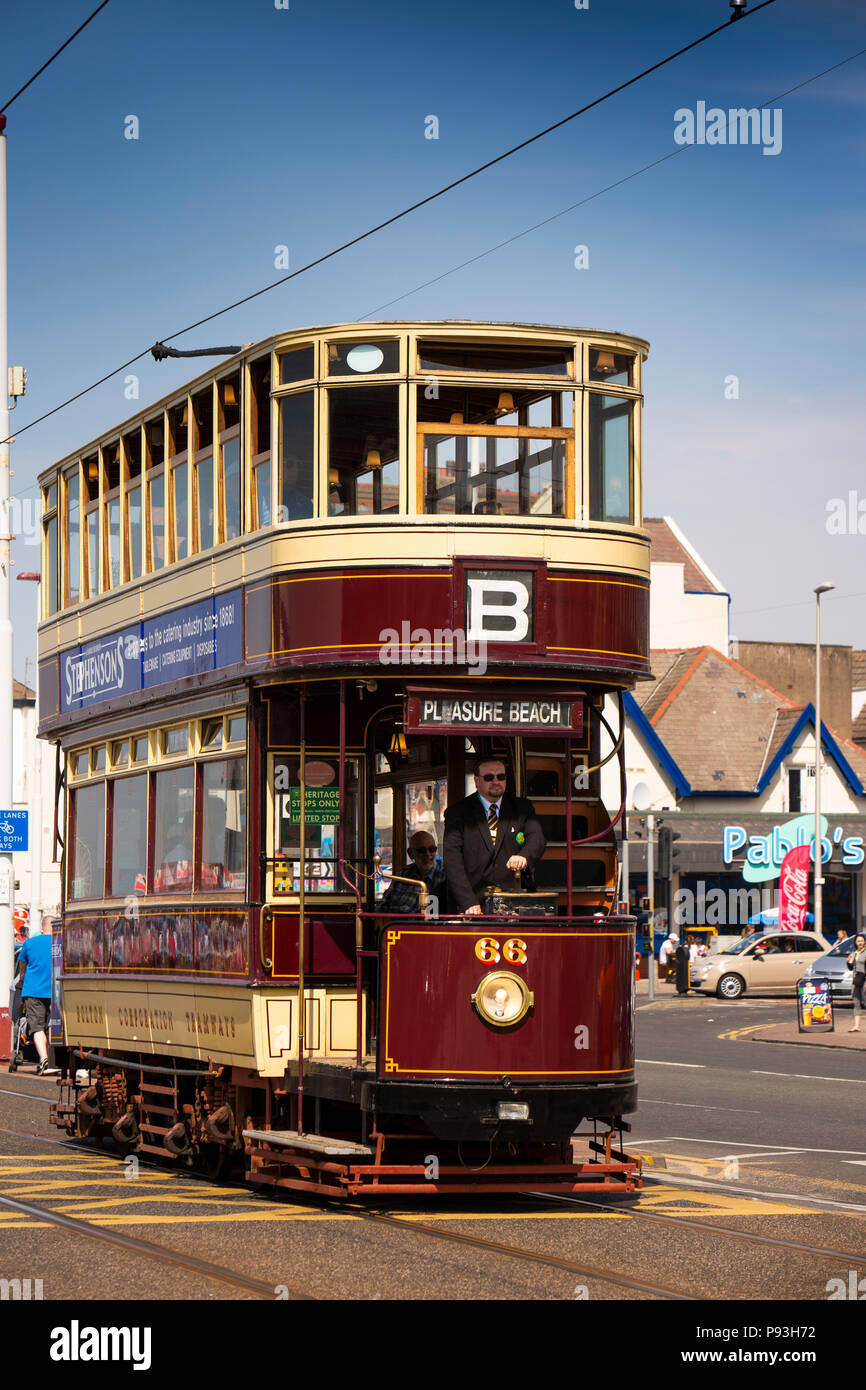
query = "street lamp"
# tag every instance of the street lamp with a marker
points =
(36, 796)
(818, 850)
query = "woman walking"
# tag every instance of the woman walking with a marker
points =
(857, 963)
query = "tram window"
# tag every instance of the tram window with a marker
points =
(204, 514)
(296, 456)
(129, 835)
(120, 753)
(132, 532)
(262, 483)
(114, 542)
(520, 359)
(174, 830)
(156, 490)
(298, 365)
(179, 509)
(154, 438)
(139, 750)
(97, 759)
(260, 414)
(174, 740)
(223, 830)
(202, 413)
(610, 458)
(458, 404)
(178, 429)
(133, 513)
(80, 763)
(494, 475)
(87, 870)
(616, 368)
(49, 530)
(364, 359)
(363, 451)
(73, 538)
(90, 475)
(237, 728)
(231, 474)
(322, 841)
(212, 734)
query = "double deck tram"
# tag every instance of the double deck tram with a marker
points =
(285, 610)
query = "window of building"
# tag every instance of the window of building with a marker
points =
(795, 795)
(363, 358)
(87, 867)
(223, 828)
(496, 359)
(611, 452)
(129, 835)
(296, 456)
(363, 451)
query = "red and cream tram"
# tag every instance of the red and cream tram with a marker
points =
(285, 610)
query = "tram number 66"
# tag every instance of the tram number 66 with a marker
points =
(513, 950)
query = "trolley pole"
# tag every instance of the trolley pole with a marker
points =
(650, 887)
(302, 903)
(7, 881)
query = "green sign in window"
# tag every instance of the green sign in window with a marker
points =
(321, 805)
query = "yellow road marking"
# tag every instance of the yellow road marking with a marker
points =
(683, 1201)
(751, 1028)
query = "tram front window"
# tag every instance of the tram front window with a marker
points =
(323, 815)
(363, 450)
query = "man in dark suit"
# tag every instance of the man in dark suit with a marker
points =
(489, 837)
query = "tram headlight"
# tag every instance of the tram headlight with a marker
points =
(502, 998)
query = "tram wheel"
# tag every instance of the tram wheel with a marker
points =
(730, 987)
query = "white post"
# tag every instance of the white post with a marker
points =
(650, 877)
(7, 881)
(817, 853)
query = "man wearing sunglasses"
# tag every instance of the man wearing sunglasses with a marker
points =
(489, 837)
(423, 865)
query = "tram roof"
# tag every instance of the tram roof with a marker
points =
(369, 328)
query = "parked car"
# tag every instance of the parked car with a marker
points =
(834, 967)
(768, 962)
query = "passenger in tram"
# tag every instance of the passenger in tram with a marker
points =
(489, 838)
(426, 868)
(296, 504)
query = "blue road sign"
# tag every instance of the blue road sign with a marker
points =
(13, 830)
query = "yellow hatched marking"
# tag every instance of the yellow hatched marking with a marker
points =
(687, 1202)
(23, 1189)
(752, 1028)
(142, 1219)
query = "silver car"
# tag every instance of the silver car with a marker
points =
(834, 967)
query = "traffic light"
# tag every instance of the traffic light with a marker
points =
(667, 853)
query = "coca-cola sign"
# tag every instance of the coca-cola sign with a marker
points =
(794, 889)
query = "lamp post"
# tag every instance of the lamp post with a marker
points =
(817, 851)
(36, 795)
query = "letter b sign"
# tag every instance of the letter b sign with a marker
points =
(499, 606)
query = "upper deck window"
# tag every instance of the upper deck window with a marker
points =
(229, 475)
(297, 366)
(363, 451)
(611, 453)
(203, 489)
(111, 483)
(154, 443)
(296, 456)
(49, 532)
(73, 536)
(260, 441)
(614, 368)
(363, 358)
(494, 360)
(90, 479)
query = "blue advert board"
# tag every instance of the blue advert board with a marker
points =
(815, 1006)
(13, 830)
(189, 641)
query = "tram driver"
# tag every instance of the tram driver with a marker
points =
(489, 838)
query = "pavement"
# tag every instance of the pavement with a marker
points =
(784, 1032)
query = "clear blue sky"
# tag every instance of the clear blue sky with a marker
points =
(304, 126)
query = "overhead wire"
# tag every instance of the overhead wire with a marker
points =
(56, 54)
(398, 216)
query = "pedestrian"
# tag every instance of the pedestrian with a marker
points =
(857, 963)
(682, 956)
(693, 949)
(34, 959)
(666, 954)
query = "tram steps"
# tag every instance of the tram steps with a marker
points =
(309, 1143)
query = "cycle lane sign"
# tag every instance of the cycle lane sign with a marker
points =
(13, 830)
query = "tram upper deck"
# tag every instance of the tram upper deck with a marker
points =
(266, 502)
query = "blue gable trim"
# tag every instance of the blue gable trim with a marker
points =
(636, 716)
(828, 744)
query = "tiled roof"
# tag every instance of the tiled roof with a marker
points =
(858, 733)
(858, 670)
(722, 725)
(22, 694)
(667, 548)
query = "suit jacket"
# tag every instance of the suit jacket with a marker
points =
(470, 857)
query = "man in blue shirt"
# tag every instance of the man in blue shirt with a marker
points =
(34, 961)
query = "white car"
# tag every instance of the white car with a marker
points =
(768, 962)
